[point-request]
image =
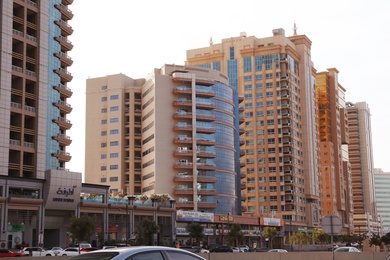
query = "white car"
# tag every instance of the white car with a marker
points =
(70, 251)
(139, 252)
(237, 250)
(278, 251)
(203, 250)
(56, 249)
(245, 248)
(37, 251)
(347, 249)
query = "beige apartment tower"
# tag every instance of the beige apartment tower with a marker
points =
(362, 169)
(174, 132)
(336, 196)
(277, 79)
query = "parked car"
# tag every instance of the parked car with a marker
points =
(220, 248)
(56, 249)
(277, 251)
(70, 251)
(189, 248)
(8, 253)
(245, 248)
(37, 251)
(236, 249)
(88, 249)
(202, 250)
(139, 252)
(347, 249)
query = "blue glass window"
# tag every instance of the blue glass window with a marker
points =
(115, 108)
(104, 110)
(217, 65)
(114, 132)
(114, 120)
(104, 99)
(114, 143)
(247, 64)
(113, 97)
(247, 78)
(103, 122)
(114, 155)
(103, 168)
(103, 156)
(232, 53)
(104, 87)
(113, 167)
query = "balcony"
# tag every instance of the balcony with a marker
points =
(207, 192)
(64, 26)
(182, 115)
(205, 105)
(64, 74)
(243, 197)
(207, 205)
(182, 103)
(63, 106)
(182, 90)
(205, 117)
(208, 142)
(205, 129)
(62, 156)
(67, 2)
(205, 93)
(241, 130)
(243, 186)
(242, 141)
(63, 123)
(241, 119)
(206, 154)
(242, 175)
(206, 166)
(65, 11)
(185, 77)
(242, 163)
(182, 127)
(64, 58)
(182, 140)
(183, 191)
(183, 153)
(64, 42)
(63, 90)
(185, 205)
(183, 164)
(62, 139)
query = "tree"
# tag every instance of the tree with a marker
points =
(375, 240)
(320, 237)
(299, 238)
(81, 228)
(386, 240)
(145, 231)
(270, 233)
(196, 231)
(234, 235)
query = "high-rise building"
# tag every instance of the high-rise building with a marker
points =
(35, 184)
(382, 196)
(336, 190)
(277, 79)
(362, 166)
(174, 132)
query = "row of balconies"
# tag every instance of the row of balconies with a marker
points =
(188, 91)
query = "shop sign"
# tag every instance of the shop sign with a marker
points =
(246, 232)
(15, 227)
(272, 222)
(194, 216)
(183, 231)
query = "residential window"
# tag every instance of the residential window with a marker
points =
(247, 64)
(260, 141)
(260, 113)
(114, 108)
(250, 180)
(259, 104)
(271, 140)
(104, 110)
(103, 168)
(272, 188)
(271, 150)
(248, 114)
(272, 179)
(248, 96)
(274, 208)
(248, 105)
(268, 76)
(251, 199)
(262, 198)
(260, 123)
(103, 122)
(261, 160)
(113, 97)
(270, 103)
(269, 94)
(260, 132)
(251, 189)
(262, 179)
(104, 99)
(273, 198)
(259, 95)
(249, 142)
(113, 179)
(259, 63)
(114, 155)
(270, 112)
(271, 131)
(272, 169)
(103, 179)
(248, 87)
(231, 53)
(114, 143)
(259, 86)
(261, 170)
(114, 167)
(249, 123)
(249, 152)
(268, 85)
(250, 161)
(262, 189)
(103, 156)
(103, 144)
(217, 65)
(103, 133)
(261, 151)
(259, 77)
(247, 78)
(249, 133)
(104, 87)
(114, 131)
(272, 160)
(114, 120)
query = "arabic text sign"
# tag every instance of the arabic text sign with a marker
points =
(194, 216)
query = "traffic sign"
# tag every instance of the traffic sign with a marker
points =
(331, 224)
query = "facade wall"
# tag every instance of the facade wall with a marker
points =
(179, 138)
(276, 78)
(382, 182)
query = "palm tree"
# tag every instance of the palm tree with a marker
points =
(234, 234)
(270, 233)
(299, 238)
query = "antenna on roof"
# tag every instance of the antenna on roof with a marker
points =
(295, 29)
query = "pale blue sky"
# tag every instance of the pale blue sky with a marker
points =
(133, 37)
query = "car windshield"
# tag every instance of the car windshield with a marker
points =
(96, 256)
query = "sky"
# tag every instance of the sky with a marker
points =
(134, 37)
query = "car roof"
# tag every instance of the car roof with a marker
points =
(139, 249)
